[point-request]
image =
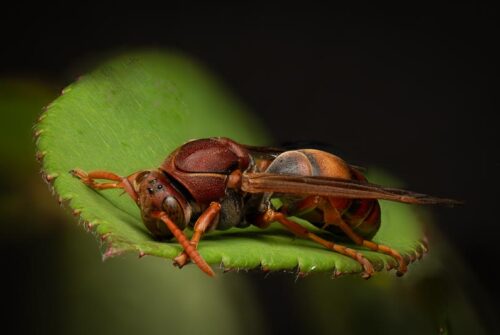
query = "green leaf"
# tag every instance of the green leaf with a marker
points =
(128, 115)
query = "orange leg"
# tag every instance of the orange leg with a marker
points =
(332, 216)
(184, 242)
(271, 216)
(120, 182)
(316, 201)
(200, 227)
(308, 203)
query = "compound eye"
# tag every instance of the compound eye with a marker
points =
(174, 211)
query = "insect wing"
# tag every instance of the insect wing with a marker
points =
(270, 153)
(333, 187)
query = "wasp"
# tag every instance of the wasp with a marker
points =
(217, 183)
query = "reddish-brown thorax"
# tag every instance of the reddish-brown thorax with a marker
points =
(202, 166)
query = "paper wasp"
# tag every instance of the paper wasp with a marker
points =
(216, 183)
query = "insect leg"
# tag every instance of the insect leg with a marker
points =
(271, 216)
(88, 178)
(204, 222)
(333, 217)
(184, 242)
(120, 182)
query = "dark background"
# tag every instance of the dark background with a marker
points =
(406, 89)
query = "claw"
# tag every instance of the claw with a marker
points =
(83, 176)
(366, 275)
(367, 267)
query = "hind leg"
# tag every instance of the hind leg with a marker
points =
(332, 217)
(331, 212)
(271, 216)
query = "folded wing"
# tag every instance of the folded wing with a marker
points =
(333, 187)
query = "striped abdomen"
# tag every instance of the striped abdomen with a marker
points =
(362, 215)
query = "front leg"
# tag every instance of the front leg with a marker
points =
(183, 241)
(124, 183)
(204, 222)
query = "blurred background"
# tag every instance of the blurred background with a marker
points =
(408, 89)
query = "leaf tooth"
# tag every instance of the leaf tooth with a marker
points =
(50, 105)
(89, 226)
(300, 275)
(109, 253)
(42, 116)
(37, 133)
(49, 178)
(421, 251)
(40, 155)
(104, 237)
(66, 90)
(336, 273)
(425, 244)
